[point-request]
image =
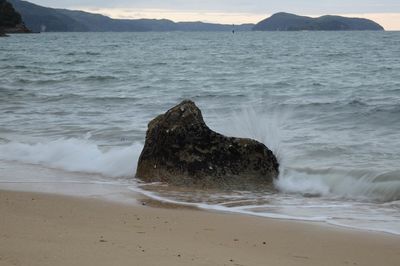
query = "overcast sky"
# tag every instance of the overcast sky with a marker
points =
(385, 12)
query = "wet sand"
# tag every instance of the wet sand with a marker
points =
(43, 229)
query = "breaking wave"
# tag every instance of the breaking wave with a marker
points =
(77, 155)
(367, 185)
(83, 155)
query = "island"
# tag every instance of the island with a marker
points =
(291, 22)
(40, 19)
(44, 19)
(10, 20)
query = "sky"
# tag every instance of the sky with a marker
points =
(385, 12)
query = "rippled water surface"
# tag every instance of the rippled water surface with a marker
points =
(327, 103)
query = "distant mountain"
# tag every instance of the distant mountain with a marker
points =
(39, 18)
(10, 20)
(290, 22)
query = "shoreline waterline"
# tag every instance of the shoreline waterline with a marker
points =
(75, 116)
(132, 192)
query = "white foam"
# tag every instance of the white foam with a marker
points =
(361, 216)
(77, 155)
(351, 184)
(268, 128)
(219, 207)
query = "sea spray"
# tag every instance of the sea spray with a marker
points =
(269, 128)
(254, 123)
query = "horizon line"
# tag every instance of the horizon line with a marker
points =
(390, 21)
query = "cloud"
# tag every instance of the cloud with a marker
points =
(239, 6)
(390, 21)
(178, 15)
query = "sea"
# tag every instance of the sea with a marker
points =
(74, 109)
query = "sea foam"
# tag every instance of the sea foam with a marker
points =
(83, 155)
(366, 184)
(77, 155)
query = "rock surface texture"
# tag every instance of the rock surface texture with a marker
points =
(180, 149)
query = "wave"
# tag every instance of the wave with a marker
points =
(75, 53)
(389, 109)
(357, 102)
(368, 185)
(64, 76)
(85, 156)
(99, 78)
(76, 155)
(335, 103)
(362, 106)
(81, 155)
(6, 93)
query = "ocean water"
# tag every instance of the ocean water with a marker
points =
(74, 109)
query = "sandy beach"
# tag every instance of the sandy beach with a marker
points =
(43, 229)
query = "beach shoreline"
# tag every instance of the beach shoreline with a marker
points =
(46, 229)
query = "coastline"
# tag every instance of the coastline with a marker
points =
(44, 229)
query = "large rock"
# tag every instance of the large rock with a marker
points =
(180, 149)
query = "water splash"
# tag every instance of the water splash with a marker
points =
(267, 128)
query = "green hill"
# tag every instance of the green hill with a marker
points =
(39, 18)
(10, 20)
(290, 22)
